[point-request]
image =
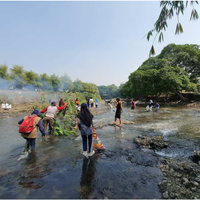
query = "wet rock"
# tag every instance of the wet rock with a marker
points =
(197, 180)
(193, 188)
(151, 142)
(185, 181)
(166, 195)
(195, 183)
(185, 175)
(196, 157)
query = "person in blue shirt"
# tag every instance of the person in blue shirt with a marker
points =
(96, 103)
(157, 106)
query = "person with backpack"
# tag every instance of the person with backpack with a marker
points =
(49, 115)
(28, 128)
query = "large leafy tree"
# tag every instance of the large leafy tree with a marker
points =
(170, 9)
(185, 56)
(165, 73)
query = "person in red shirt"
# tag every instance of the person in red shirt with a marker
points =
(49, 115)
(133, 105)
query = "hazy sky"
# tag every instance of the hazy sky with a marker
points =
(97, 42)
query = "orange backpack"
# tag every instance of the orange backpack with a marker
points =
(27, 125)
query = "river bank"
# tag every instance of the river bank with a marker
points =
(20, 108)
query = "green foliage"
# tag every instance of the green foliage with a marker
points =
(3, 71)
(55, 82)
(196, 96)
(29, 80)
(168, 9)
(109, 92)
(174, 70)
(17, 70)
(185, 56)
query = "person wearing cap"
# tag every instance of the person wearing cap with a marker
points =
(49, 115)
(84, 122)
(31, 138)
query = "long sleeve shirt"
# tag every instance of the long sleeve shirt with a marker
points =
(51, 110)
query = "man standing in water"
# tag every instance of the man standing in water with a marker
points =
(133, 105)
(96, 103)
(119, 110)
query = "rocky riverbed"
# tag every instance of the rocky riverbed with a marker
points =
(181, 177)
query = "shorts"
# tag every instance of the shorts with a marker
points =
(132, 107)
(88, 105)
(92, 105)
(118, 115)
(96, 105)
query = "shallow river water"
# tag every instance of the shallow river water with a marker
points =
(123, 170)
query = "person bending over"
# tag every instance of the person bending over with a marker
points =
(49, 115)
(31, 137)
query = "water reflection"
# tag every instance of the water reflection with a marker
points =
(88, 175)
(34, 169)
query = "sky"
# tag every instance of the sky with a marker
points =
(98, 42)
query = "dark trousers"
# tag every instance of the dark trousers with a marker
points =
(87, 139)
(30, 142)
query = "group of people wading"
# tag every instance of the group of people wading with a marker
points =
(84, 122)
(28, 126)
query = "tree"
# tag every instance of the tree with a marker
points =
(3, 71)
(110, 91)
(185, 56)
(164, 74)
(169, 8)
(17, 76)
(17, 70)
(55, 82)
(66, 82)
(45, 82)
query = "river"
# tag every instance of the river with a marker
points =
(123, 170)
